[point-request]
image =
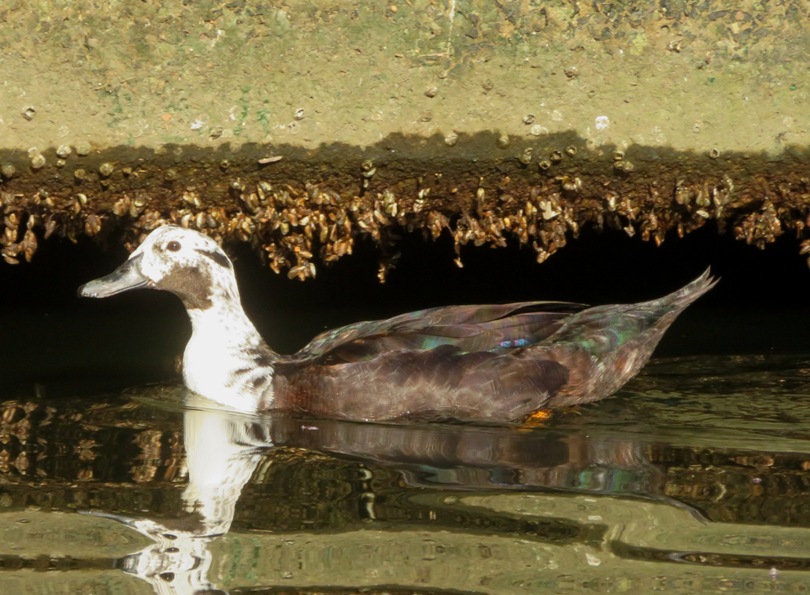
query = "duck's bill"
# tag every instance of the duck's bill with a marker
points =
(127, 276)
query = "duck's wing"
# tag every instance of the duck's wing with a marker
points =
(467, 328)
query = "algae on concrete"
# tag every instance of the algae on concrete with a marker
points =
(301, 125)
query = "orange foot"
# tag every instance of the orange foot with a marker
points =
(536, 419)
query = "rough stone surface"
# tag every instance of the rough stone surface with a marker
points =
(301, 126)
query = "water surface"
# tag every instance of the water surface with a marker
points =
(693, 478)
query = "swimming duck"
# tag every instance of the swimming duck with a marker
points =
(492, 364)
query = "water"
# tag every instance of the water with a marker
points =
(692, 478)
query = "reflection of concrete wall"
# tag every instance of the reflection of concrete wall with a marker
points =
(244, 120)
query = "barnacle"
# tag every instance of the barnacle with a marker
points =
(300, 215)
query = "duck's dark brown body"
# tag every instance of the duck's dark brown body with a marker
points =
(377, 378)
(486, 364)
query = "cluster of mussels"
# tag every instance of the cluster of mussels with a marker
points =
(31, 431)
(295, 227)
(17, 444)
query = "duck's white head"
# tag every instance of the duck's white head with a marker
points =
(183, 261)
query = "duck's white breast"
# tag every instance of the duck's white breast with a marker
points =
(223, 362)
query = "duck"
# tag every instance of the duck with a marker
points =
(501, 364)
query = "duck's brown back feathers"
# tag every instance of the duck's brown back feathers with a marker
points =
(491, 363)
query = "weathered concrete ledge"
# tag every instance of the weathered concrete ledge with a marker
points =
(300, 128)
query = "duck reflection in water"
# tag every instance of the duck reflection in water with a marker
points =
(224, 449)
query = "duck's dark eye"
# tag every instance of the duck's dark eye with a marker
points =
(173, 246)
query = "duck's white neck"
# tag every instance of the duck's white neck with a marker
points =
(226, 359)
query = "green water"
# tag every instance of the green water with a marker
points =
(694, 478)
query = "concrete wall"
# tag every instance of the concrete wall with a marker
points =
(304, 124)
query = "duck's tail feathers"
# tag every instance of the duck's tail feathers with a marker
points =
(680, 299)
